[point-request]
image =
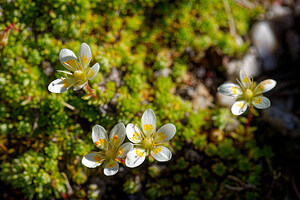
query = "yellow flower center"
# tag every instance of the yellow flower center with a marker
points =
(111, 154)
(78, 75)
(248, 93)
(148, 143)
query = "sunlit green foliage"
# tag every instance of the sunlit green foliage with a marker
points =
(44, 136)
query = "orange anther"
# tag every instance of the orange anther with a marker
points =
(120, 152)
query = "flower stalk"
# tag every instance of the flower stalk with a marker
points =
(87, 86)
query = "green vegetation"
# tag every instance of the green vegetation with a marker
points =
(43, 136)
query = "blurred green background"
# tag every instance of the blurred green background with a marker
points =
(148, 51)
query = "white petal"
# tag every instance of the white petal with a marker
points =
(133, 133)
(117, 134)
(148, 122)
(124, 149)
(265, 86)
(79, 86)
(92, 160)
(239, 107)
(99, 137)
(93, 71)
(85, 55)
(111, 168)
(165, 133)
(261, 102)
(246, 81)
(135, 157)
(57, 86)
(161, 154)
(230, 89)
(68, 59)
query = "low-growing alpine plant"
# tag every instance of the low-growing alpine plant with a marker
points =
(134, 58)
(80, 71)
(149, 141)
(112, 149)
(247, 93)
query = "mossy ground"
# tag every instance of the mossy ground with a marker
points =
(151, 53)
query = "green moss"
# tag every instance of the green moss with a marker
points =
(219, 169)
(46, 135)
(33, 172)
(130, 187)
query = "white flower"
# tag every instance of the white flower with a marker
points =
(247, 93)
(149, 141)
(111, 149)
(80, 72)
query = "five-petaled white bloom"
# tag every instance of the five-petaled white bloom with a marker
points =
(81, 73)
(247, 93)
(149, 141)
(111, 149)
